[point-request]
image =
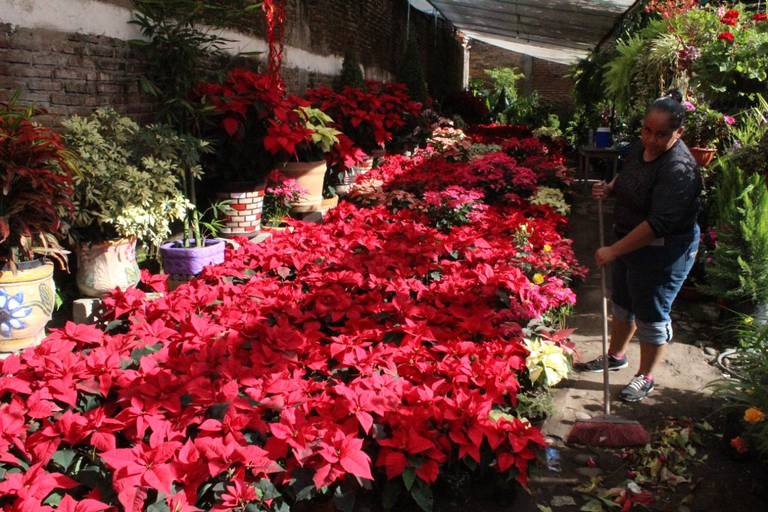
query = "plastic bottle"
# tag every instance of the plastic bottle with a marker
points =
(552, 457)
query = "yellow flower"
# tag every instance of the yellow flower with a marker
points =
(748, 320)
(538, 278)
(547, 248)
(754, 415)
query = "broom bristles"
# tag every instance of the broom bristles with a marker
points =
(608, 432)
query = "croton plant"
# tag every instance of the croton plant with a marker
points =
(36, 188)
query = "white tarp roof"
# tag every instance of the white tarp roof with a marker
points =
(556, 30)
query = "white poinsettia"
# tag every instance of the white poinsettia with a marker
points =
(553, 198)
(546, 362)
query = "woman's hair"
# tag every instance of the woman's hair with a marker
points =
(672, 104)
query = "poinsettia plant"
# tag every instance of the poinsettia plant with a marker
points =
(302, 133)
(36, 188)
(309, 365)
(369, 116)
(245, 106)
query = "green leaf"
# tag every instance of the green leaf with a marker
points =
(53, 499)
(422, 495)
(592, 506)
(64, 458)
(409, 476)
(267, 489)
(344, 500)
(392, 491)
(544, 508)
(159, 505)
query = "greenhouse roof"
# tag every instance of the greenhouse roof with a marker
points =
(557, 30)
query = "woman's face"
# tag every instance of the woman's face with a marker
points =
(657, 133)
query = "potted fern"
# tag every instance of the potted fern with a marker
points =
(36, 181)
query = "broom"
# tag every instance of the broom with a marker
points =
(607, 430)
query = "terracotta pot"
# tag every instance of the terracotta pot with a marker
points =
(330, 202)
(26, 304)
(246, 201)
(185, 262)
(703, 156)
(105, 266)
(311, 176)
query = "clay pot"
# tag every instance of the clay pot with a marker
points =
(26, 304)
(703, 156)
(104, 266)
(330, 202)
(311, 176)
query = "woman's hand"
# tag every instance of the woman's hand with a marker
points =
(604, 256)
(601, 190)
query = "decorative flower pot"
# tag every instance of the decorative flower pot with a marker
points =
(703, 156)
(246, 202)
(364, 166)
(105, 266)
(311, 176)
(26, 304)
(185, 262)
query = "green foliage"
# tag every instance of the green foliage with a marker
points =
(705, 128)
(620, 71)
(128, 185)
(739, 268)
(551, 129)
(732, 73)
(751, 127)
(324, 137)
(504, 80)
(351, 74)
(535, 404)
(503, 100)
(178, 54)
(750, 388)
(411, 72)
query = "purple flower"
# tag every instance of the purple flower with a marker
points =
(690, 107)
(729, 120)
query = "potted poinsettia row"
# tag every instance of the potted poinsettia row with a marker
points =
(313, 366)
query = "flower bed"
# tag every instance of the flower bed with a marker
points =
(377, 349)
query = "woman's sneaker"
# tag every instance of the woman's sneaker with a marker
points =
(637, 389)
(596, 365)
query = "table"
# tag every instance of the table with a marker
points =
(587, 153)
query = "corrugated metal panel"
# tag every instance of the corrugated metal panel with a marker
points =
(559, 30)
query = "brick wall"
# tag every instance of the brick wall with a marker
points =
(70, 73)
(546, 77)
(73, 73)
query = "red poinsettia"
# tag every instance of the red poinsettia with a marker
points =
(725, 36)
(345, 350)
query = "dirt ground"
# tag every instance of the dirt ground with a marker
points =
(717, 480)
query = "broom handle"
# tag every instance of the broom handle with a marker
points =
(606, 388)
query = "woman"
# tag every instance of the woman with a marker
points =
(657, 203)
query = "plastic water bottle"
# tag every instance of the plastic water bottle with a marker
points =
(552, 457)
